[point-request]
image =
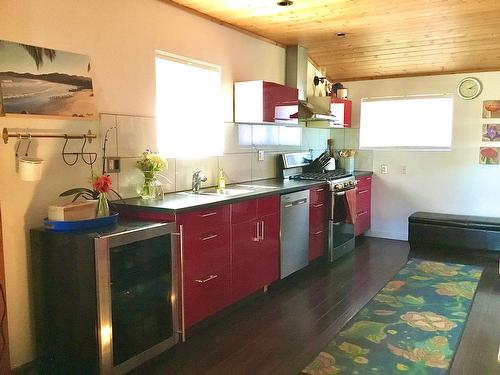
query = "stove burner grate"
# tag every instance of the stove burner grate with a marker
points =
(326, 176)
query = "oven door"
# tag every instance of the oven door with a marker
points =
(340, 233)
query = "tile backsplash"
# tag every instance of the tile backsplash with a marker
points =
(131, 135)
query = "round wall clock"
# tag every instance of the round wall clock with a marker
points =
(469, 88)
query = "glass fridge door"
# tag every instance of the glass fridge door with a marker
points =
(141, 290)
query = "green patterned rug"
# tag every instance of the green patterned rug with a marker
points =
(412, 326)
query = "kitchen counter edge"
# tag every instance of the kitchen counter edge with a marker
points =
(166, 204)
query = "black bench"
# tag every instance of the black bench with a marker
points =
(470, 238)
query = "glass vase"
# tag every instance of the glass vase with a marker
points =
(102, 206)
(152, 187)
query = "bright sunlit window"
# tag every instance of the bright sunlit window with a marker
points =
(423, 122)
(188, 107)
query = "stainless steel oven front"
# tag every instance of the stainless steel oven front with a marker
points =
(136, 279)
(340, 232)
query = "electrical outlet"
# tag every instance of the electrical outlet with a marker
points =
(113, 164)
(384, 169)
(261, 155)
(403, 169)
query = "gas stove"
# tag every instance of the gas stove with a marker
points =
(295, 163)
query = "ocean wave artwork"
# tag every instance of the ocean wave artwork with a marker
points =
(42, 81)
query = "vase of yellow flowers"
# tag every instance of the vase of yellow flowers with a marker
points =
(151, 164)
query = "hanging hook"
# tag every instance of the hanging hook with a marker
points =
(92, 155)
(19, 139)
(29, 144)
(64, 153)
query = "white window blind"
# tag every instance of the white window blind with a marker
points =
(423, 122)
(188, 107)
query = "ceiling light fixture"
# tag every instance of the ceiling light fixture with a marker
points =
(284, 3)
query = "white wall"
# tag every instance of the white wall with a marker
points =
(121, 37)
(448, 182)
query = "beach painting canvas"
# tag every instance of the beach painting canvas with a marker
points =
(42, 81)
(491, 109)
(489, 155)
(491, 133)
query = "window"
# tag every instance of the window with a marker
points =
(269, 135)
(188, 107)
(423, 122)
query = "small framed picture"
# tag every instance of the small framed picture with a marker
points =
(491, 133)
(489, 155)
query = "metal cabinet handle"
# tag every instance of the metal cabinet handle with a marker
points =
(362, 191)
(209, 237)
(209, 214)
(296, 203)
(362, 213)
(211, 277)
(182, 330)
(320, 190)
(262, 234)
(317, 205)
(257, 233)
(318, 232)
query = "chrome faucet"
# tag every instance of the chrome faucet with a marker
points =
(198, 178)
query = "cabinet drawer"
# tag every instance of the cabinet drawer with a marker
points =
(268, 205)
(204, 295)
(317, 218)
(364, 182)
(363, 199)
(199, 220)
(206, 249)
(318, 195)
(316, 244)
(252, 208)
(362, 222)
(243, 211)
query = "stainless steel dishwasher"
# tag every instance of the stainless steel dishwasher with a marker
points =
(294, 232)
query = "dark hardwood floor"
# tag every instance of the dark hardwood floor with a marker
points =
(281, 331)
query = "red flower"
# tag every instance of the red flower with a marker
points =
(102, 184)
(489, 153)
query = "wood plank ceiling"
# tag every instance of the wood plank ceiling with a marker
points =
(385, 38)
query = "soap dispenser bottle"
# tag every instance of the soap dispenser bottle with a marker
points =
(221, 181)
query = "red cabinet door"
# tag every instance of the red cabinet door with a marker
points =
(206, 263)
(269, 250)
(341, 108)
(244, 259)
(275, 94)
(363, 205)
(255, 255)
(317, 230)
(317, 221)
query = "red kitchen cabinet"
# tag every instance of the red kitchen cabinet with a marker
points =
(317, 221)
(206, 262)
(363, 204)
(257, 101)
(341, 109)
(255, 247)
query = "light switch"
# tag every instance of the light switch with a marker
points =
(261, 155)
(384, 169)
(403, 169)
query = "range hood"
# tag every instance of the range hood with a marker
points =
(315, 111)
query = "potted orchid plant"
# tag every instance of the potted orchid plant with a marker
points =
(101, 186)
